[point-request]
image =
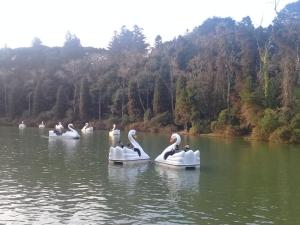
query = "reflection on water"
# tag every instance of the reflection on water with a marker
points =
(68, 144)
(179, 179)
(21, 131)
(126, 175)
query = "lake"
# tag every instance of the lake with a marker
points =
(71, 182)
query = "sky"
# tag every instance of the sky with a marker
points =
(94, 21)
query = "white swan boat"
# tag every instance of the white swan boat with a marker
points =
(42, 125)
(114, 132)
(22, 125)
(122, 154)
(87, 128)
(71, 133)
(187, 159)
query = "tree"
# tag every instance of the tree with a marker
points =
(158, 41)
(182, 106)
(135, 111)
(16, 100)
(84, 100)
(37, 99)
(60, 105)
(36, 42)
(72, 48)
(161, 99)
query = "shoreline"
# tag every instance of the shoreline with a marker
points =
(106, 125)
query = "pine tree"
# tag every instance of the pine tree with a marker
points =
(161, 97)
(134, 107)
(182, 106)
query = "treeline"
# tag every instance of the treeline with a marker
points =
(225, 77)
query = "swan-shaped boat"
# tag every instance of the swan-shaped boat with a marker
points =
(122, 154)
(42, 125)
(114, 131)
(71, 133)
(22, 125)
(187, 159)
(59, 126)
(87, 128)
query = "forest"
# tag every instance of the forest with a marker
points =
(224, 77)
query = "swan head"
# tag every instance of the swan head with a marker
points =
(132, 133)
(86, 124)
(176, 137)
(59, 123)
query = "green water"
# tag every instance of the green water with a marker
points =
(71, 182)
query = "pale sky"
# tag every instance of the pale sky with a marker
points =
(94, 21)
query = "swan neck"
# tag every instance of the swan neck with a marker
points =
(70, 128)
(173, 146)
(178, 140)
(133, 141)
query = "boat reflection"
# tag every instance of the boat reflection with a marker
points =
(126, 175)
(179, 179)
(69, 145)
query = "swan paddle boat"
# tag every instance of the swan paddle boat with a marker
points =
(71, 133)
(59, 126)
(87, 128)
(187, 159)
(42, 125)
(122, 154)
(22, 125)
(114, 131)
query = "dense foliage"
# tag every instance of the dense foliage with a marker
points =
(224, 76)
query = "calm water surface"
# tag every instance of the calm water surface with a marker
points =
(71, 182)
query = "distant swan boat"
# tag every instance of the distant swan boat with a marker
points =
(42, 125)
(22, 125)
(114, 131)
(87, 128)
(71, 133)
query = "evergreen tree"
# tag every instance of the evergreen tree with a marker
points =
(182, 106)
(161, 99)
(134, 106)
